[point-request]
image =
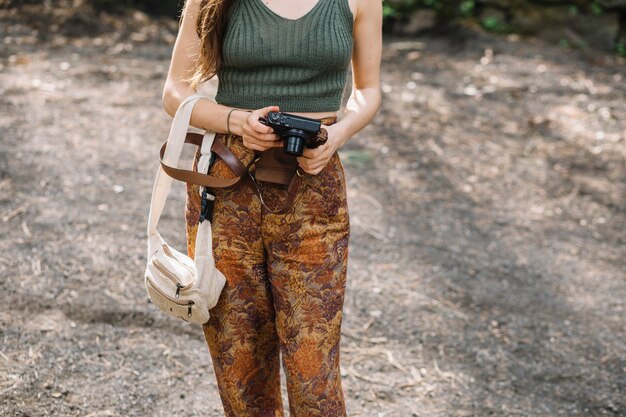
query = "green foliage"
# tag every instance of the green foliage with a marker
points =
(596, 9)
(388, 10)
(394, 10)
(450, 9)
(564, 43)
(501, 22)
(446, 9)
(467, 8)
(493, 24)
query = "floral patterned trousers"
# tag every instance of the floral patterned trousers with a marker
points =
(286, 278)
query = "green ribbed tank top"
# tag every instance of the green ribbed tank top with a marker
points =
(299, 64)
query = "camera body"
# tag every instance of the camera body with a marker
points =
(296, 131)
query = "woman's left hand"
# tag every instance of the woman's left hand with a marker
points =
(314, 160)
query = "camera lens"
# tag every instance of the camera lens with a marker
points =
(295, 140)
(294, 145)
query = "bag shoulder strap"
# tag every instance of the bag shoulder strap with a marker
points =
(199, 178)
(170, 157)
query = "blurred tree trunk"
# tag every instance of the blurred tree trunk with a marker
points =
(620, 7)
(620, 39)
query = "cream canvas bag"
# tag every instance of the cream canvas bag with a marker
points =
(178, 285)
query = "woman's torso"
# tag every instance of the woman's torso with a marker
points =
(267, 39)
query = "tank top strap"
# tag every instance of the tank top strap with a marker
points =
(344, 6)
(298, 64)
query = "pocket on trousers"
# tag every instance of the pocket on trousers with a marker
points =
(326, 199)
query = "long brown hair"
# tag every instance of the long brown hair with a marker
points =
(210, 27)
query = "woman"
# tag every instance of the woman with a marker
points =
(286, 273)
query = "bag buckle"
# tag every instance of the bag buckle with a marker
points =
(206, 205)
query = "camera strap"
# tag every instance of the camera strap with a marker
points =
(235, 165)
(292, 192)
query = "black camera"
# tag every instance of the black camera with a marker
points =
(296, 131)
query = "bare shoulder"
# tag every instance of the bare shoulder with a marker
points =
(365, 7)
(353, 4)
(193, 3)
(191, 7)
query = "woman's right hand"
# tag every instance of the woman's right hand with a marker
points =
(256, 135)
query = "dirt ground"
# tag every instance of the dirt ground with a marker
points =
(487, 203)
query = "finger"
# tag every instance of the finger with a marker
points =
(258, 126)
(255, 125)
(318, 166)
(261, 144)
(302, 161)
(251, 141)
(311, 153)
(319, 162)
(309, 165)
(315, 152)
(254, 146)
(271, 144)
(312, 171)
(265, 110)
(267, 137)
(270, 139)
(305, 167)
(308, 162)
(249, 131)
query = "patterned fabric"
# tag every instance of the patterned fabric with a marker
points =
(286, 278)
